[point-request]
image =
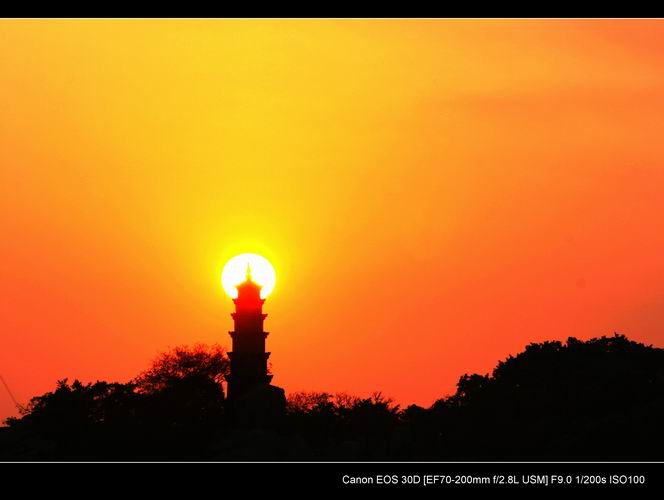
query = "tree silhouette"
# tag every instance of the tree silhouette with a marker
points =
(199, 362)
(598, 399)
(166, 412)
(78, 420)
(182, 401)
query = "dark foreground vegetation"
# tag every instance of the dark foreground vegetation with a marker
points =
(601, 399)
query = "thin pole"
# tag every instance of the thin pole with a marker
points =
(11, 395)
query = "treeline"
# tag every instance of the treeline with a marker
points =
(601, 399)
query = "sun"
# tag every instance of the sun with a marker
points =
(235, 272)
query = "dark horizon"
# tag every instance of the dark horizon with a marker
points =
(601, 399)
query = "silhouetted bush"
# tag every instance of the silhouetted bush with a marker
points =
(343, 426)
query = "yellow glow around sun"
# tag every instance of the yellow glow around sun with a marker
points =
(235, 272)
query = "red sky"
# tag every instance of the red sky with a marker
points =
(434, 195)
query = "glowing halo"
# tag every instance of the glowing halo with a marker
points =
(235, 272)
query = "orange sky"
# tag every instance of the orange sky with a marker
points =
(434, 195)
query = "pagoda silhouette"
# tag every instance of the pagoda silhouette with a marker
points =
(252, 400)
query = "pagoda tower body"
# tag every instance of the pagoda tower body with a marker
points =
(248, 357)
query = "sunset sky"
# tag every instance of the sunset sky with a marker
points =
(434, 195)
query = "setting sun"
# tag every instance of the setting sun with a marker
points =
(235, 272)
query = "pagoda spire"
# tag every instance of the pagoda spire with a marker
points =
(248, 356)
